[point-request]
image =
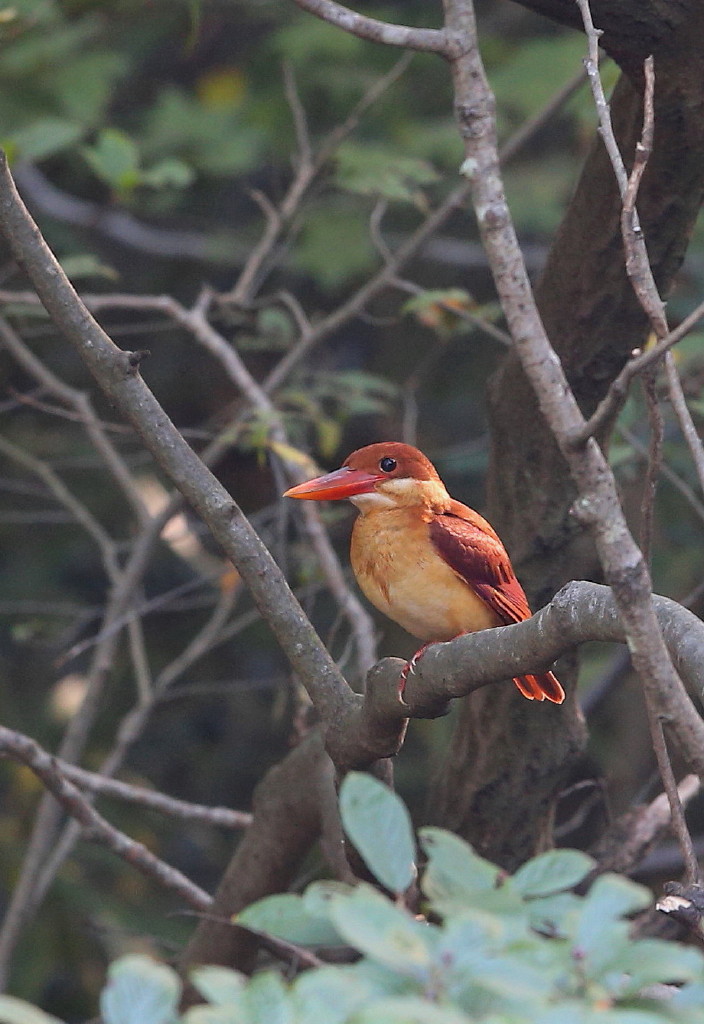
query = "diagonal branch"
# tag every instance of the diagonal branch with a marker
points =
(117, 373)
(95, 827)
(92, 782)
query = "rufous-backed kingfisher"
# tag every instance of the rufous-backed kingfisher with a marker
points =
(430, 563)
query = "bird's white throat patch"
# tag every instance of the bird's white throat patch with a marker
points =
(372, 502)
(401, 492)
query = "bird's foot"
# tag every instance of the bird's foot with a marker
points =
(409, 668)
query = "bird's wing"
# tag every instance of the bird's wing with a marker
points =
(472, 549)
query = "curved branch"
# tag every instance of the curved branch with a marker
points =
(429, 40)
(579, 612)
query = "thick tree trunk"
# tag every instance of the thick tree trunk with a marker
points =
(508, 757)
(632, 28)
(289, 806)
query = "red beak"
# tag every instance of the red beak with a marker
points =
(342, 483)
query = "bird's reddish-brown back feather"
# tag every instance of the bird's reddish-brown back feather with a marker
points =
(472, 549)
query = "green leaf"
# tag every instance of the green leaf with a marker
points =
(549, 913)
(329, 995)
(334, 244)
(86, 264)
(267, 1000)
(286, 916)
(114, 159)
(168, 173)
(318, 896)
(379, 171)
(230, 1013)
(690, 996)
(83, 85)
(139, 990)
(574, 1012)
(454, 873)
(409, 1010)
(378, 823)
(43, 138)
(16, 1011)
(610, 898)
(653, 961)
(218, 985)
(552, 872)
(456, 297)
(214, 141)
(387, 934)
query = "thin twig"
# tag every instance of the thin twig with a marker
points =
(650, 484)
(684, 417)
(92, 782)
(300, 122)
(615, 396)
(309, 166)
(667, 471)
(630, 837)
(79, 402)
(62, 494)
(95, 827)
(678, 820)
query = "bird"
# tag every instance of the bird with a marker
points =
(428, 562)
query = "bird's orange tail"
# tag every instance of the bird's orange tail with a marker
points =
(545, 686)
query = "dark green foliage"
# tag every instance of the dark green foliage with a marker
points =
(173, 112)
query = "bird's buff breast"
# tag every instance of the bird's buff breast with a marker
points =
(399, 571)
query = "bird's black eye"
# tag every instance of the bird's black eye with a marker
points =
(387, 465)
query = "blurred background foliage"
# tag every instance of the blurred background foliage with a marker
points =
(143, 136)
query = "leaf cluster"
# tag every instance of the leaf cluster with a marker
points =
(318, 406)
(489, 948)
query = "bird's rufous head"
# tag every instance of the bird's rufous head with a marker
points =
(387, 470)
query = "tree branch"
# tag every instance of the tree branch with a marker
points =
(117, 373)
(422, 39)
(95, 827)
(642, 279)
(92, 782)
(616, 395)
(578, 613)
(287, 821)
(631, 837)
